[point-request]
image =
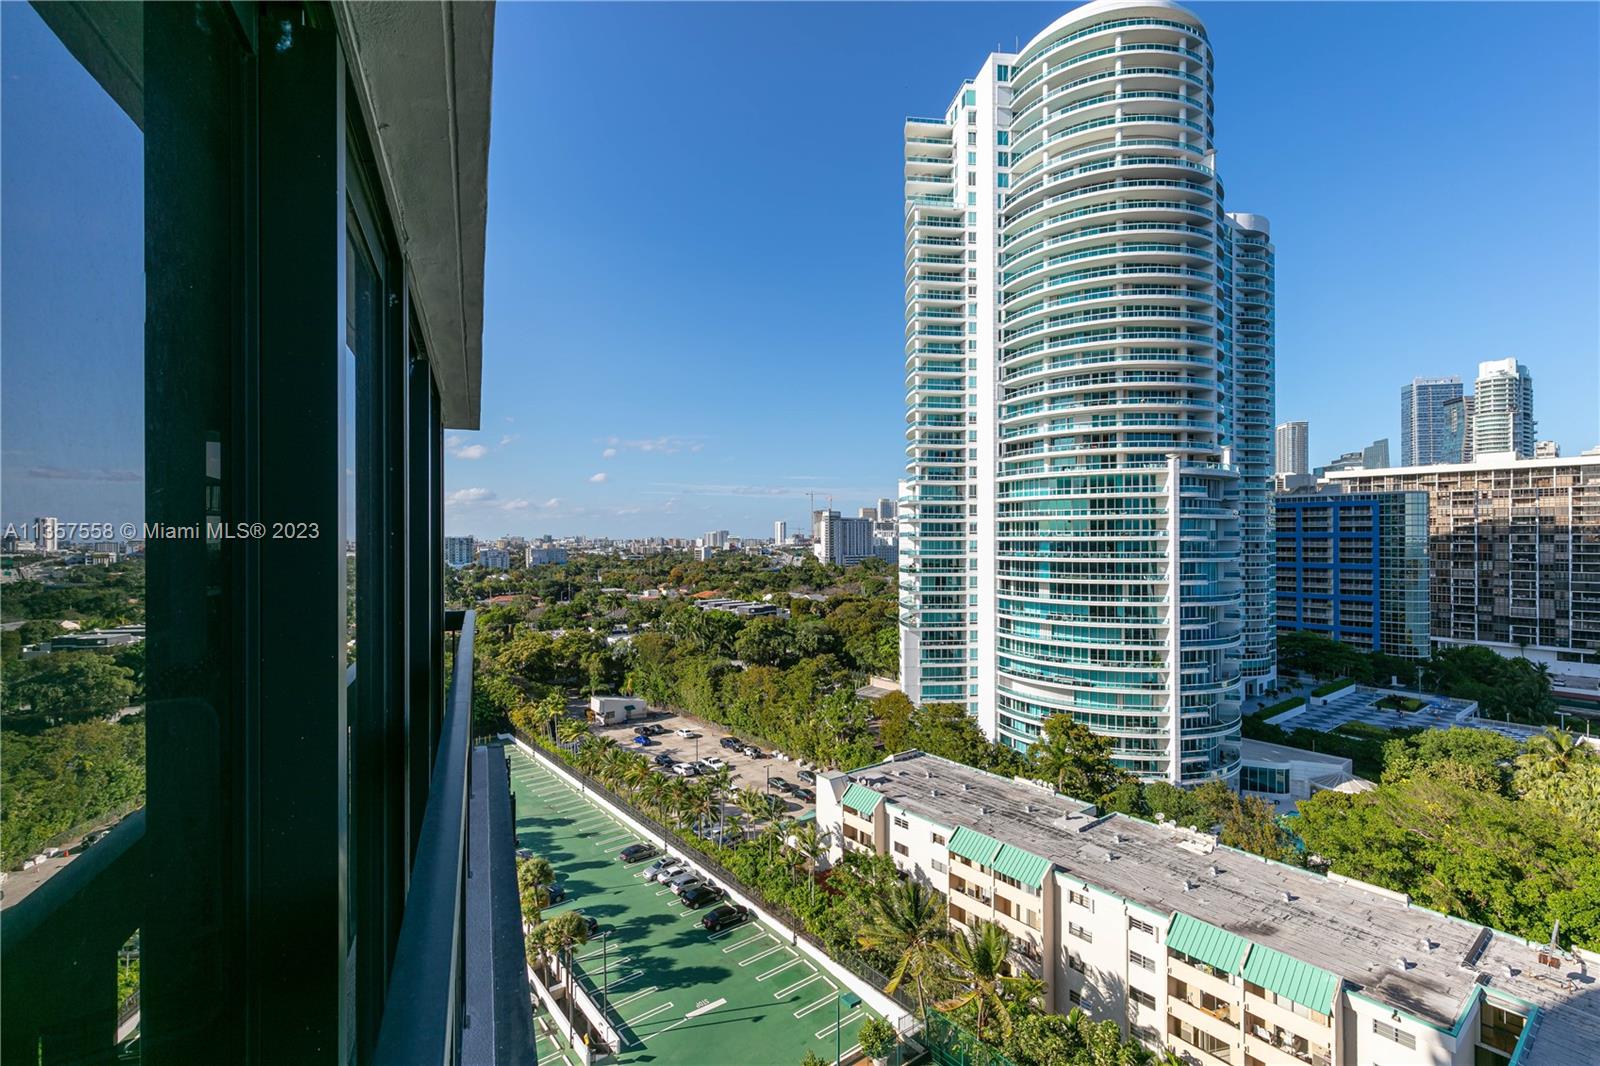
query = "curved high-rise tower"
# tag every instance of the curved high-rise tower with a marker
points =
(1089, 446)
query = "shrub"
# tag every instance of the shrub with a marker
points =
(1328, 687)
(877, 1038)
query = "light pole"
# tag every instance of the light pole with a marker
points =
(851, 1000)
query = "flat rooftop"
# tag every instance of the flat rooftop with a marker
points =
(1407, 957)
(1262, 751)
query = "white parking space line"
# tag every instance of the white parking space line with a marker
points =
(626, 977)
(760, 955)
(840, 1024)
(797, 986)
(760, 936)
(779, 969)
(635, 996)
(832, 995)
(651, 1013)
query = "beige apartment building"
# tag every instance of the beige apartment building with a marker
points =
(1514, 553)
(1221, 956)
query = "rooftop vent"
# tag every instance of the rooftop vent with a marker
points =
(1187, 885)
(965, 787)
(1212, 869)
(1402, 962)
(1111, 856)
(928, 774)
(1288, 897)
(1027, 808)
(982, 811)
(933, 792)
(1427, 945)
(1116, 838)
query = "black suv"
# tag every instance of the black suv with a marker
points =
(724, 916)
(636, 853)
(696, 896)
(731, 743)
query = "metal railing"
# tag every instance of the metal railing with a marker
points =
(427, 989)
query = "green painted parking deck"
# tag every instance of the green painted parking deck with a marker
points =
(676, 994)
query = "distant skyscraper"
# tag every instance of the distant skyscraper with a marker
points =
(1089, 364)
(1458, 430)
(843, 541)
(1422, 419)
(869, 513)
(1294, 447)
(716, 538)
(780, 532)
(460, 551)
(885, 509)
(47, 534)
(1502, 419)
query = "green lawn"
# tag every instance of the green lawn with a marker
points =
(677, 994)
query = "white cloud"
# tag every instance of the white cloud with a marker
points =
(453, 441)
(509, 438)
(663, 445)
(466, 497)
(471, 451)
(552, 503)
(609, 453)
(598, 479)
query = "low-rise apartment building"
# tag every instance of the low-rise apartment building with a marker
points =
(1219, 955)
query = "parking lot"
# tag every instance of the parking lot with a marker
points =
(747, 772)
(1440, 712)
(676, 993)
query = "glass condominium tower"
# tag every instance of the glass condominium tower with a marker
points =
(1086, 514)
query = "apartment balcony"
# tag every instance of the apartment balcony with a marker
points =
(1220, 1021)
(1277, 1052)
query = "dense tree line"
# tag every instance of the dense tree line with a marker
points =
(68, 778)
(1507, 689)
(1473, 824)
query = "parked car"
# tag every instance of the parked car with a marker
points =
(663, 759)
(751, 751)
(592, 923)
(685, 732)
(558, 892)
(664, 867)
(724, 916)
(640, 731)
(780, 783)
(712, 764)
(637, 853)
(804, 795)
(731, 743)
(685, 769)
(643, 741)
(683, 881)
(807, 777)
(524, 853)
(696, 896)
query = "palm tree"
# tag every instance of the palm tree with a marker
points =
(753, 805)
(653, 793)
(1551, 754)
(978, 960)
(570, 729)
(535, 877)
(807, 843)
(907, 921)
(566, 931)
(636, 774)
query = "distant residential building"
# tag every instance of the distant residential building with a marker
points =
(1546, 449)
(1293, 440)
(1458, 430)
(8, 543)
(1422, 419)
(780, 532)
(542, 556)
(716, 538)
(704, 552)
(1514, 553)
(1374, 456)
(842, 541)
(494, 558)
(460, 551)
(885, 509)
(1502, 419)
(1354, 567)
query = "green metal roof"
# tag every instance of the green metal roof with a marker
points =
(1024, 866)
(861, 799)
(971, 844)
(1299, 982)
(1204, 941)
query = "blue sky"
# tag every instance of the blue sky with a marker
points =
(694, 272)
(694, 304)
